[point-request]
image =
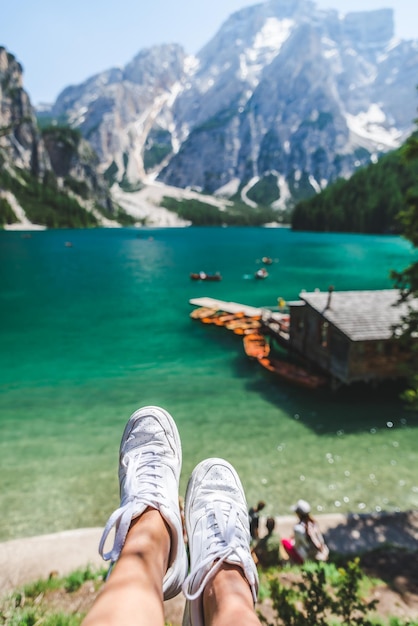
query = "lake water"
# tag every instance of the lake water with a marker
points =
(89, 333)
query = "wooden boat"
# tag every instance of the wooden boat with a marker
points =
(240, 326)
(241, 322)
(202, 311)
(261, 273)
(211, 318)
(204, 276)
(255, 345)
(267, 260)
(248, 331)
(293, 373)
(246, 328)
(228, 317)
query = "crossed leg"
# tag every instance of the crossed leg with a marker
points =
(148, 550)
(132, 596)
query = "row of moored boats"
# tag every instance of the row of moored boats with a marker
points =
(238, 323)
(257, 345)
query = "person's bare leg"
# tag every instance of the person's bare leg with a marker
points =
(221, 587)
(132, 596)
(227, 599)
(148, 548)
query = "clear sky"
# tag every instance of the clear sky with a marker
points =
(63, 42)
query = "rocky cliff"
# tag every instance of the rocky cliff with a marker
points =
(51, 164)
(126, 113)
(20, 140)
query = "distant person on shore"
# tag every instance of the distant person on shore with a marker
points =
(149, 560)
(254, 516)
(266, 551)
(307, 544)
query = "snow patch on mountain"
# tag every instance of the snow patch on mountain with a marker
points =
(229, 189)
(367, 129)
(284, 192)
(246, 189)
(272, 36)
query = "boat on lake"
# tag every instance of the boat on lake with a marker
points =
(292, 373)
(261, 273)
(247, 328)
(255, 345)
(244, 322)
(204, 276)
(226, 318)
(211, 318)
(201, 312)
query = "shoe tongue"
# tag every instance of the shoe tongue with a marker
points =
(224, 500)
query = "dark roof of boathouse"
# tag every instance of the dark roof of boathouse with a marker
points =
(360, 315)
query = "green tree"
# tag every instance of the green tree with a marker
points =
(407, 280)
(369, 202)
(324, 596)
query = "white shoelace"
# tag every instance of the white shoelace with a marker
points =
(144, 486)
(226, 539)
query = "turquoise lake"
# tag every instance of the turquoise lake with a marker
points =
(89, 333)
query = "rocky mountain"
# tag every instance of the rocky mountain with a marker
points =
(55, 166)
(20, 141)
(285, 98)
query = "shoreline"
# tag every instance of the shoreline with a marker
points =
(28, 559)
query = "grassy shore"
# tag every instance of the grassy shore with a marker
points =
(67, 573)
(381, 587)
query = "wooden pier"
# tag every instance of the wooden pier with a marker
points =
(227, 307)
(236, 307)
(345, 336)
(274, 321)
(258, 326)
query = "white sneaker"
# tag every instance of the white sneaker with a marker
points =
(217, 526)
(149, 472)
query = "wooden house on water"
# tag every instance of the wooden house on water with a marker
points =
(348, 334)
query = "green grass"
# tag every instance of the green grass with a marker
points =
(323, 594)
(36, 603)
(30, 605)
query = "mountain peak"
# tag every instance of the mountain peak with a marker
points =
(283, 91)
(369, 27)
